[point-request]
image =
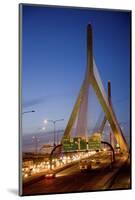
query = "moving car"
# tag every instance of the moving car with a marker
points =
(50, 175)
(85, 165)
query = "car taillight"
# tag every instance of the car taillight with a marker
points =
(49, 175)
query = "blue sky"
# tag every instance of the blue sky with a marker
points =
(54, 60)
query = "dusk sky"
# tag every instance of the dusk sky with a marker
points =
(54, 61)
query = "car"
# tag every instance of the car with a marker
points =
(98, 162)
(85, 165)
(50, 175)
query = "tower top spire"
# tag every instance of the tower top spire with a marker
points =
(89, 49)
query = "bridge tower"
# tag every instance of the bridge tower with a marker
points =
(92, 78)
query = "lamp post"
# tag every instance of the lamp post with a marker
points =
(54, 126)
(29, 111)
(36, 139)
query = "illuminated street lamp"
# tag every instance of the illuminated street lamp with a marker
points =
(45, 121)
(41, 129)
(54, 122)
(36, 140)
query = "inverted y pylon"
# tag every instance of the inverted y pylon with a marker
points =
(92, 78)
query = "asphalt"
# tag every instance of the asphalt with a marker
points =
(72, 180)
(123, 178)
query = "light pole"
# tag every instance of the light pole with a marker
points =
(54, 123)
(36, 139)
(29, 111)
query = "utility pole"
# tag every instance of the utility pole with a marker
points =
(36, 140)
(54, 128)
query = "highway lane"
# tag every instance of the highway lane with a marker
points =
(68, 183)
(72, 180)
(123, 180)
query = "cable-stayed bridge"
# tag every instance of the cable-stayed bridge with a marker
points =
(68, 160)
(78, 121)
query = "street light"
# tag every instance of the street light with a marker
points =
(41, 129)
(36, 139)
(54, 122)
(29, 111)
(45, 121)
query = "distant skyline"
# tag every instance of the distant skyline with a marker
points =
(54, 60)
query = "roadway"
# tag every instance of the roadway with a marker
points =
(123, 180)
(73, 180)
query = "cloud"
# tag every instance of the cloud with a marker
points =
(34, 102)
(40, 100)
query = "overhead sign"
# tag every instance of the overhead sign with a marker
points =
(69, 144)
(117, 146)
(80, 144)
(83, 144)
(94, 142)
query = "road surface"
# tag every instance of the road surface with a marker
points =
(73, 180)
(123, 179)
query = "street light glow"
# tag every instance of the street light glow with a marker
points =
(54, 122)
(45, 121)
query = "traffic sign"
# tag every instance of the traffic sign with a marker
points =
(78, 143)
(69, 144)
(94, 142)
